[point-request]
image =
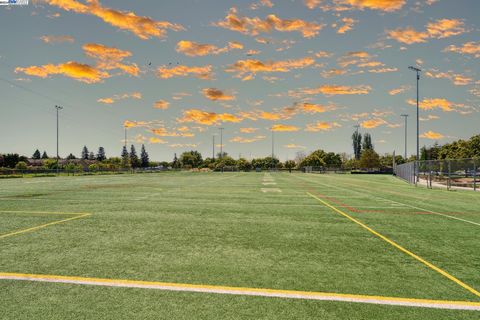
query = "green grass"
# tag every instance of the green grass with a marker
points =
(220, 229)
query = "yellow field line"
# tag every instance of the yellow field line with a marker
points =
(43, 226)
(292, 294)
(43, 212)
(399, 247)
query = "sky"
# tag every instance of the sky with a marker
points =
(174, 72)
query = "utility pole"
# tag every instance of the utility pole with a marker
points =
(221, 142)
(406, 124)
(417, 70)
(273, 153)
(58, 108)
(213, 148)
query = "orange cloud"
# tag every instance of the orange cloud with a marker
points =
(315, 108)
(322, 126)
(432, 135)
(261, 3)
(383, 70)
(332, 90)
(142, 27)
(373, 123)
(283, 127)
(207, 118)
(183, 145)
(115, 98)
(248, 130)
(204, 72)
(109, 58)
(155, 140)
(333, 72)
(348, 24)
(247, 140)
(457, 79)
(161, 104)
(164, 132)
(312, 4)
(294, 146)
(255, 26)
(381, 5)
(57, 39)
(216, 95)
(194, 49)
(247, 69)
(442, 28)
(437, 103)
(398, 90)
(78, 71)
(134, 124)
(471, 48)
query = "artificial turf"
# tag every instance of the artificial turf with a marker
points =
(221, 229)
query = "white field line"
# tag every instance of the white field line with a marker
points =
(400, 203)
(287, 294)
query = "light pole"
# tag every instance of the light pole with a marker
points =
(273, 150)
(406, 123)
(58, 108)
(125, 137)
(417, 70)
(213, 148)
(221, 142)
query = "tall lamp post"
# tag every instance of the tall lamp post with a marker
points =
(58, 108)
(417, 71)
(221, 142)
(406, 124)
(273, 150)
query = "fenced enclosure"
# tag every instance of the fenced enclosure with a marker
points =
(455, 173)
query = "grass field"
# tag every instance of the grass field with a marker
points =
(352, 235)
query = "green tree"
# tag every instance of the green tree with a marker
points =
(85, 153)
(175, 162)
(125, 157)
(101, 154)
(21, 165)
(367, 142)
(71, 157)
(10, 160)
(91, 156)
(144, 157)
(369, 159)
(243, 164)
(36, 155)
(357, 144)
(44, 155)
(134, 161)
(191, 159)
(290, 164)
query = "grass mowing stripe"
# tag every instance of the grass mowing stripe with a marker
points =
(44, 212)
(43, 226)
(289, 294)
(399, 247)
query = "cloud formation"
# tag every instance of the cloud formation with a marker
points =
(247, 69)
(215, 94)
(322, 126)
(195, 49)
(205, 72)
(161, 104)
(207, 118)
(442, 28)
(255, 26)
(246, 140)
(110, 58)
(283, 127)
(143, 27)
(432, 135)
(117, 97)
(471, 48)
(78, 71)
(442, 104)
(57, 39)
(333, 90)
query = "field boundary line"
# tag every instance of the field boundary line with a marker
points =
(399, 247)
(44, 212)
(17, 232)
(244, 291)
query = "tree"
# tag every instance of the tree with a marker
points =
(85, 153)
(125, 158)
(290, 164)
(299, 156)
(369, 159)
(192, 159)
(91, 155)
(71, 157)
(10, 160)
(21, 165)
(243, 164)
(134, 161)
(101, 154)
(175, 162)
(144, 157)
(357, 144)
(44, 155)
(367, 142)
(36, 155)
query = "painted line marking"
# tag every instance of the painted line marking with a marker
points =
(399, 247)
(265, 190)
(289, 294)
(17, 232)
(269, 183)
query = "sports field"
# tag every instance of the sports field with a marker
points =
(237, 246)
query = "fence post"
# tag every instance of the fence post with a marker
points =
(474, 176)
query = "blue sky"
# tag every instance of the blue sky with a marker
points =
(176, 71)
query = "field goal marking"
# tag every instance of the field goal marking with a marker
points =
(242, 291)
(399, 247)
(35, 228)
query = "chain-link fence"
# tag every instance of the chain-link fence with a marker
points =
(450, 174)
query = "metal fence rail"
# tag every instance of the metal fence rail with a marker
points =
(450, 174)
